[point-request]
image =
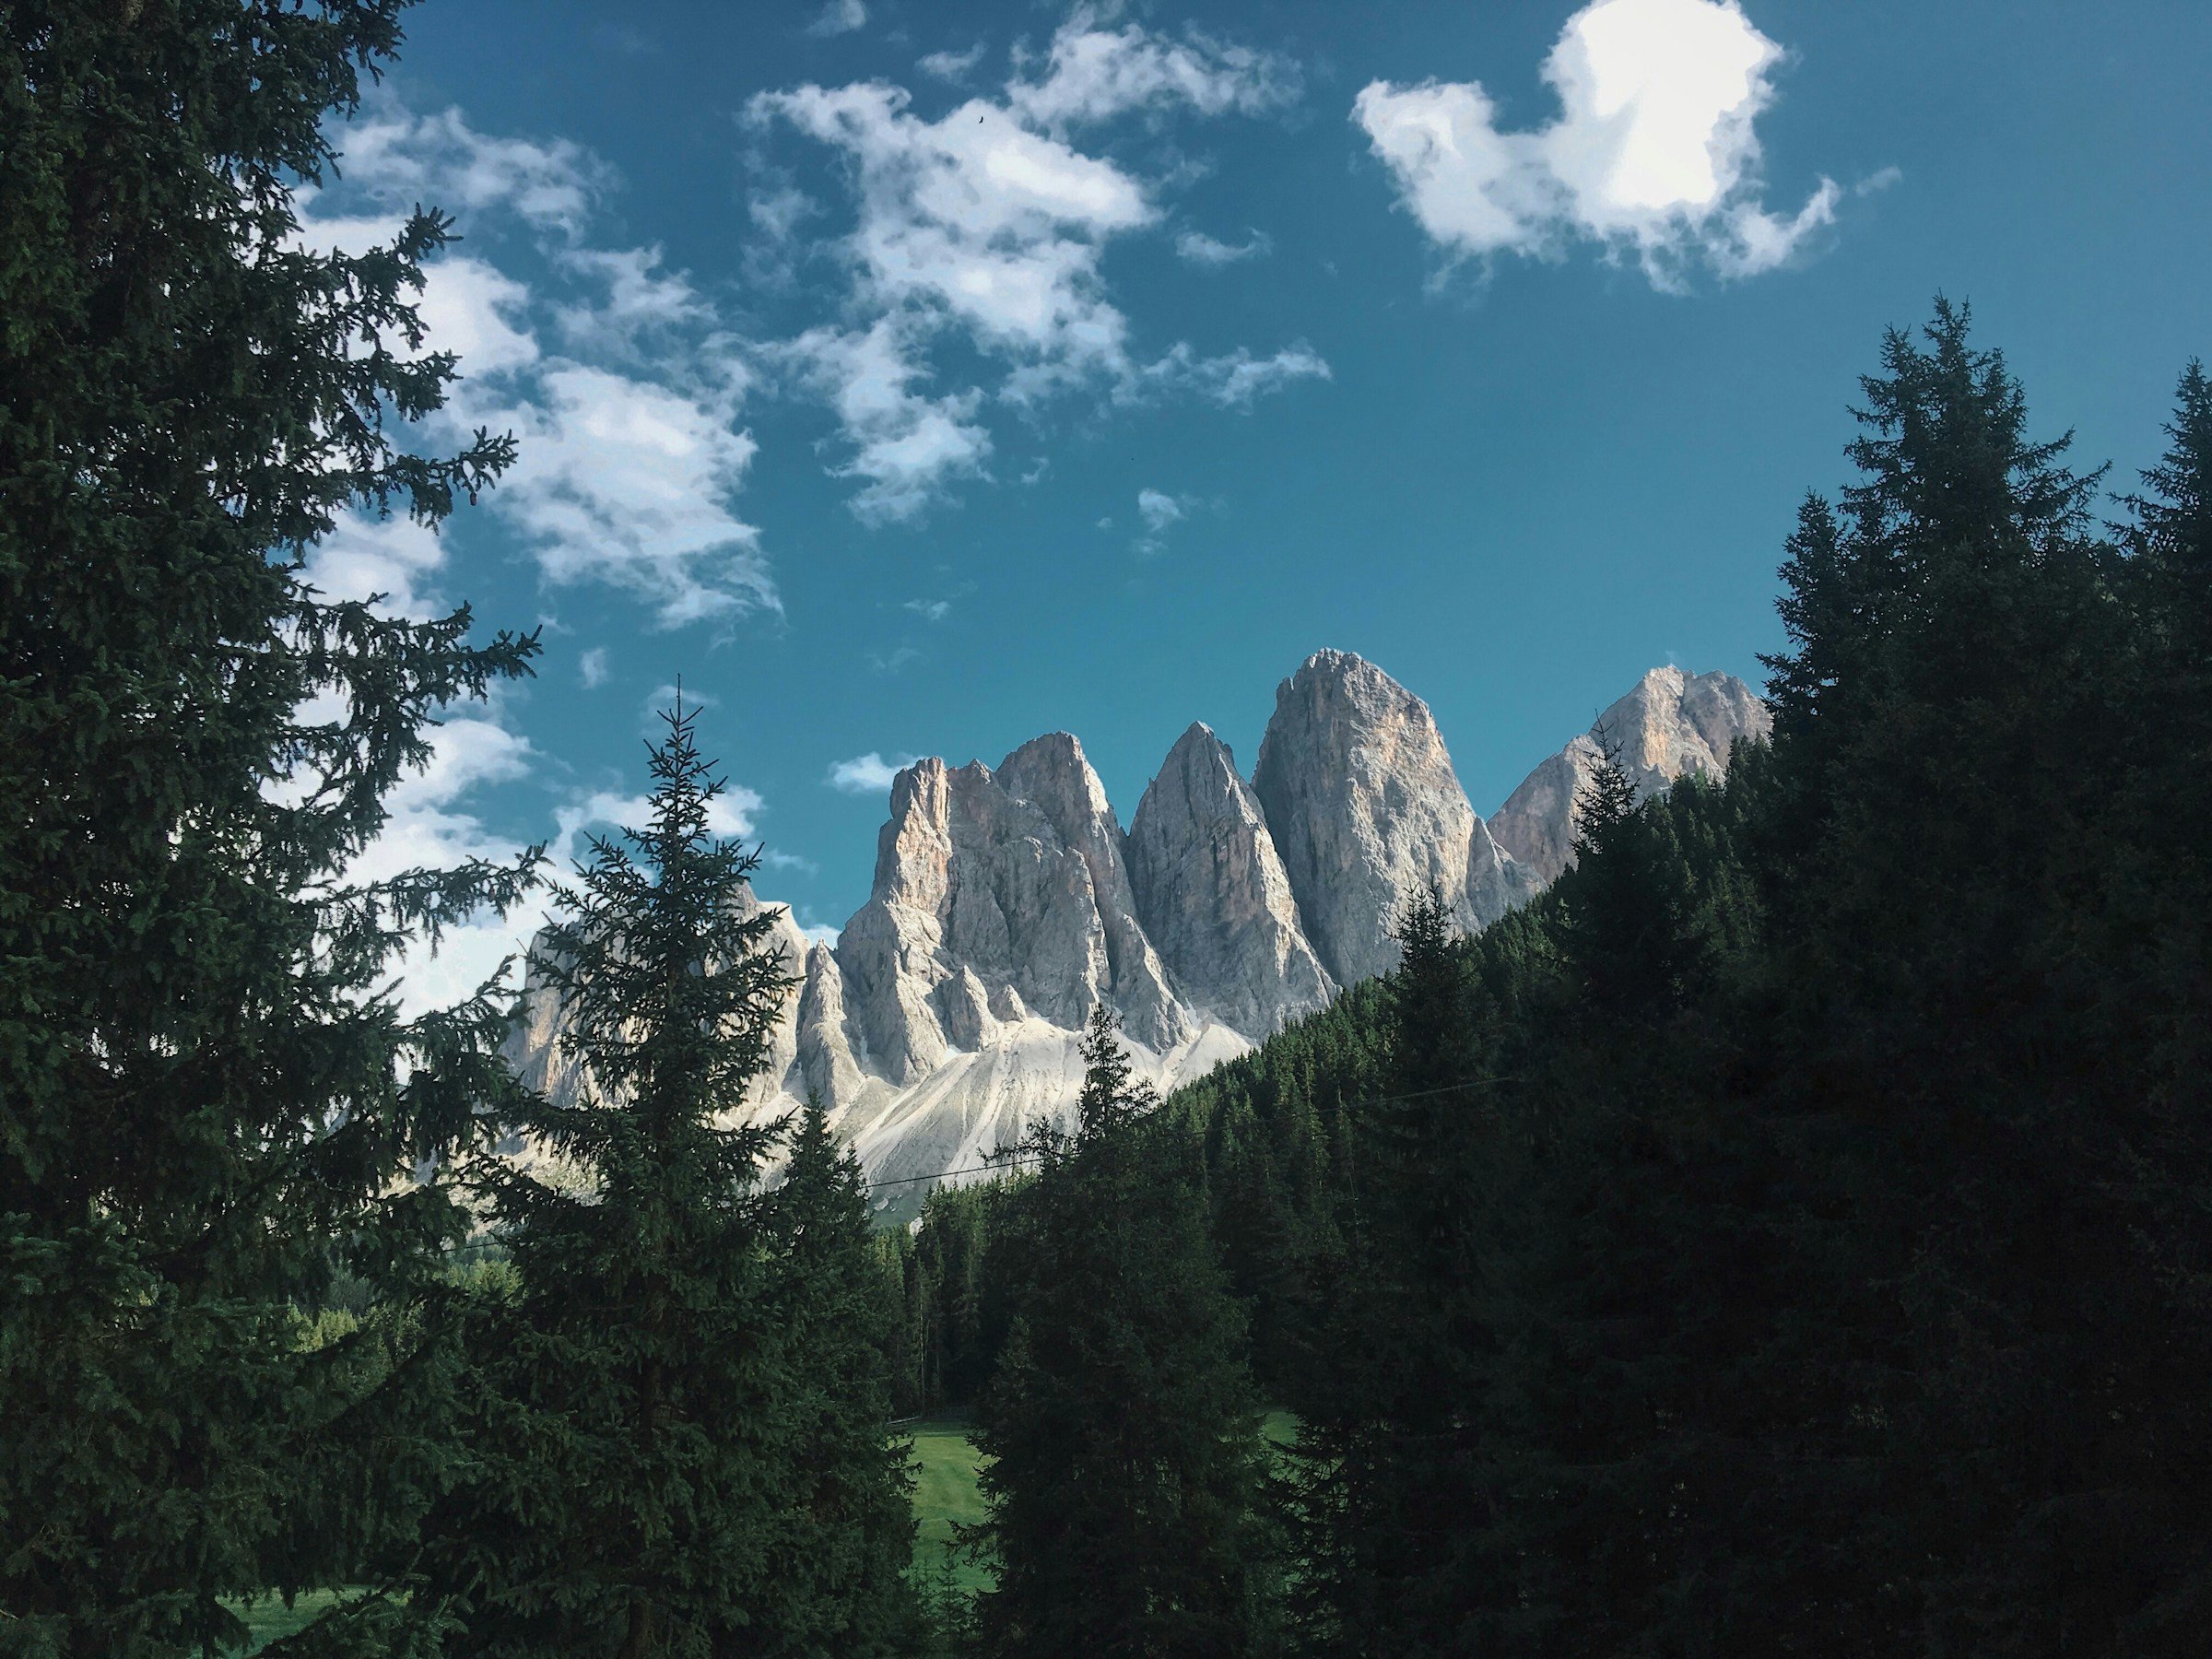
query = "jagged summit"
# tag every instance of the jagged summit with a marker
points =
(1365, 808)
(1212, 892)
(1672, 724)
(1007, 903)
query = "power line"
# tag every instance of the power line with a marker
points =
(1419, 1094)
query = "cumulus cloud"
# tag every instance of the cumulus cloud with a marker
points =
(365, 558)
(839, 17)
(592, 665)
(631, 450)
(865, 775)
(985, 230)
(1654, 152)
(434, 823)
(1203, 250)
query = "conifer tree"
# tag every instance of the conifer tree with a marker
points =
(847, 1536)
(635, 1424)
(1124, 1488)
(208, 1099)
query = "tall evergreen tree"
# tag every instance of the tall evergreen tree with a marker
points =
(635, 1425)
(207, 1099)
(847, 1536)
(1124, 1486)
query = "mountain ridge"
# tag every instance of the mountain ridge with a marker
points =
(1006, 901)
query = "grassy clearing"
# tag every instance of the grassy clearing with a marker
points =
(268, 1619)
(946, 1492)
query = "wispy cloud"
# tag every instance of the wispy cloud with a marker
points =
(929, 610)
(1654, 154)
(1203, 250)
(839, 17)
(985, 230)
(867, 775)
(953, 67)
(591, 666)
(632, 451)
(1157, 511)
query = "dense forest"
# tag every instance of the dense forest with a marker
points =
(1792, 1233)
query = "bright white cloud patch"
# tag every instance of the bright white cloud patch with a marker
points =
(865, 775)
(631, 448)
(985, 228)
(1653, 151)
(591, 666)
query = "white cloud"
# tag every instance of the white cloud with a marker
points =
(905, 446)
(628, 481)
(986, 229)
(1233, 380)
(592, 665)
(640, 296)
(1157, 510)
(839, 17)
(400, 160)
(929, 610)
(1093, 74)
(731, 815)
(867, 775)
(631, 452)
(432, 825)
(779, 212)
(1203, 250)
(1653, 151)
(364, 555)
(953, 67)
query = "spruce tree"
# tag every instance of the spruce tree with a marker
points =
(208, 1099)
(1125, 1485)
(847, 1536)
(634, 1427)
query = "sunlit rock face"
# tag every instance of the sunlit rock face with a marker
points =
(1671, 725)
(948, 1017)
(1366, 811)
(1212, 892)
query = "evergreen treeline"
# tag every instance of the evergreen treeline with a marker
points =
(1790, 1234)
(242, 1353)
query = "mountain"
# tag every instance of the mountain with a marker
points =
(1672, 724)
(1008, 901)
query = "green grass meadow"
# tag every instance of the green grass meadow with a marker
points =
(944, 1495)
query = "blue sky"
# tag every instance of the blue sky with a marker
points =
(916, 379)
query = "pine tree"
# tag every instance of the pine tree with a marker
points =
(635, 1424)
(845, 1500)
(1126, 1468)
(207, 1100)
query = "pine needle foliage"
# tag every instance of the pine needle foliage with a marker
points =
(1125, 1485)
(632, 1432)
(209, 1100)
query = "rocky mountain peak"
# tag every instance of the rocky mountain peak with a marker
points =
(1366, 810)
(1213, 896)
(1673, 723)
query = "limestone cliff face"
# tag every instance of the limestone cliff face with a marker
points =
(1672, 724)
(1366, 811)
(1212, 892)
(948, 1017)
